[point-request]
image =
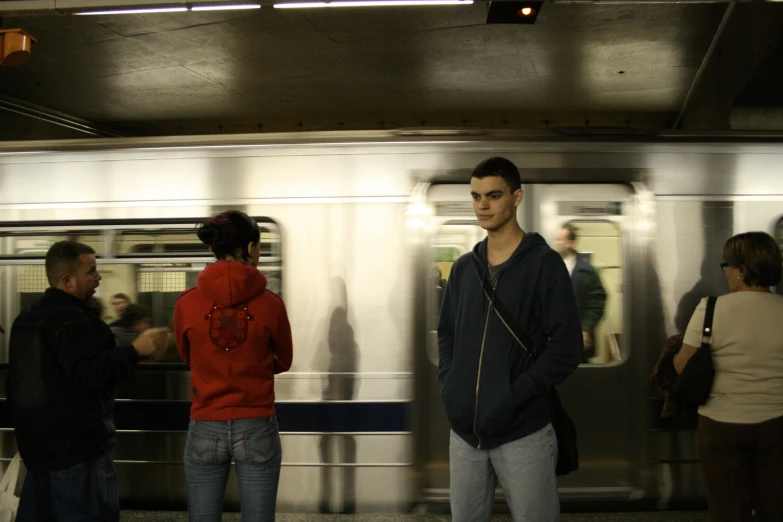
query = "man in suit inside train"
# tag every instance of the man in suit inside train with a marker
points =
(590, 293)
(495, 395)
(63, 367)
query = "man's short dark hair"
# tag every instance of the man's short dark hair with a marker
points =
(571, 230)
(499, 167)
(121, 296)
(759, 254)
(63, 258)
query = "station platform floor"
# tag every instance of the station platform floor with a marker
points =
(647, 516)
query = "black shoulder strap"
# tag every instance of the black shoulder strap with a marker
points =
(506, 318)
(706, 331)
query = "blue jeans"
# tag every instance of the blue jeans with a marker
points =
(84, 492)
(525, 469)
(254, 444)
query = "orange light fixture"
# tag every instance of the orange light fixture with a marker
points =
(15, 45)
(513, 11)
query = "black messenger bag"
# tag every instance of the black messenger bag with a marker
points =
(694, 384)
(565, 430)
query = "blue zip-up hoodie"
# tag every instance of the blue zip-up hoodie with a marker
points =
(492, 393)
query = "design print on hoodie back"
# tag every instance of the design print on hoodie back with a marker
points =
(228, 326)
(235, 336)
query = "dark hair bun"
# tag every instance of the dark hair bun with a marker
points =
(210, 234)
(229, 233)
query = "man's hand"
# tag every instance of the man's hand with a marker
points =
(150, 341)
(588, 340)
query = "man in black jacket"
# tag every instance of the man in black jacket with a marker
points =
(63, 367)
(496, 398)
(589, 292)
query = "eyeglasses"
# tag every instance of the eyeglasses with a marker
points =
(723, 266)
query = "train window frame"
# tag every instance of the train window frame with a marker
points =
(105, 231)
(779, 233)
(434, 247)
(40, 253)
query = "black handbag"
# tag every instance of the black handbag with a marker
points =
(565, 430)
(695, 382)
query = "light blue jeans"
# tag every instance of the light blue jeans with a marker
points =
(525, 469)
(254, 444)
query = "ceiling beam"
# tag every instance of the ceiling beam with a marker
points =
(703, 66)
(747, 39)
(36, 112)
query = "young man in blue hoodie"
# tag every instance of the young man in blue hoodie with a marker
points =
(495, 396)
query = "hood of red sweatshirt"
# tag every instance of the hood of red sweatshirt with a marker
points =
(229, 283)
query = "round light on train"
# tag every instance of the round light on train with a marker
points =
(526, 11)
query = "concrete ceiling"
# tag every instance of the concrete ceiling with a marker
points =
(282, 70)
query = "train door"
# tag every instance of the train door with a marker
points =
(602, 396)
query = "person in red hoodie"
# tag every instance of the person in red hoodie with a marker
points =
(235, 336)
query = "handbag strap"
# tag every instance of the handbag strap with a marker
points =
(506, 318)
(706, 331)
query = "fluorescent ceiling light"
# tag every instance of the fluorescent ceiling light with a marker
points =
(137, 11)
(224, 7)
(370, 3)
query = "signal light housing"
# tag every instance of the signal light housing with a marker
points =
(513, 12)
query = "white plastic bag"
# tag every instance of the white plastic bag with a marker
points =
(9, 502)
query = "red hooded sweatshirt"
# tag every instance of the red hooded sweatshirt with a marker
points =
(234, 335)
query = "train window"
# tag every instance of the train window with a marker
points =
(779, 238)
(171, 242)
(779, 233)
(159, 243)
(168, 262)
(31, 283)
(151, 265)
(597, 269)
(153, 286)
(451, 241)
(34, 244)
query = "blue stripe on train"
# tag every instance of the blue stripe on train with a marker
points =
(292, 417)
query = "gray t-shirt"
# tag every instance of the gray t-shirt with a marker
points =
(494, 272)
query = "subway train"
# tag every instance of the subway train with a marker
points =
(353, 225)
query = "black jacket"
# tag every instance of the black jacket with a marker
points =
(535, 288)
(590, 298)
(63, 367)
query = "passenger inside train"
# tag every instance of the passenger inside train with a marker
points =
(439, 285)
(589, 291)
(134, 320)
(119, 303)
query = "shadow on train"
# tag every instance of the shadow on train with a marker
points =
(718, 218)
(339, 356)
